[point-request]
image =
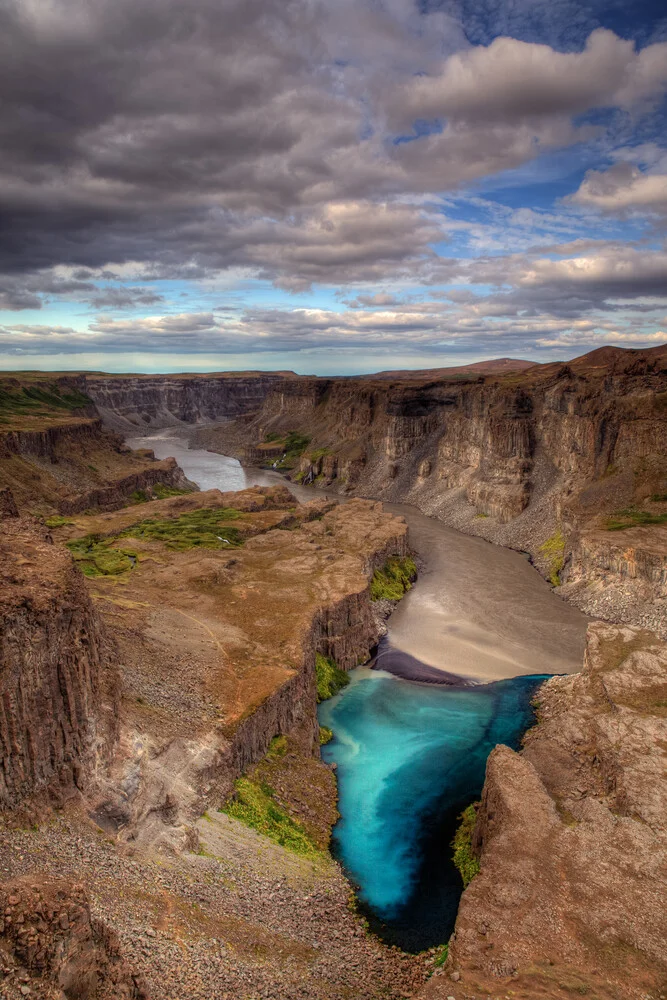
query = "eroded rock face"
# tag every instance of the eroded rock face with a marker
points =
(52, 942)
(58, 683)
(517, 458)
(572, 837)
(217, 647)
(75, 465)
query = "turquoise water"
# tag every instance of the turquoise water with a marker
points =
(409, 758)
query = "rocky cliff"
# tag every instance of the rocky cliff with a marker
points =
(572, 840)
(75, 464)
(58, 679)
(128, 402)
(217, 644)
(537, 460)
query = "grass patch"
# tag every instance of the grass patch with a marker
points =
(463, 858)
(326, 735)
(294, 444)
(319, 453)
(277, 748)
(441, 956)
(96, 557)
(554, 552)
(330, 679)
(33, 400)
(157, 492)
(632, 518)
(204, 528)
(161, 492)
(254, 805)
(57, 521)
(393, 580)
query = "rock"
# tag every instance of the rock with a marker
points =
(571, 833)
(58, 675)
(50, 932)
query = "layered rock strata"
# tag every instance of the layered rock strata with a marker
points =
(537, 460)
(572, 840)
(76, 465)
(58, 679)
(217, 646)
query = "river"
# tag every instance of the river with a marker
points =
(411, 755)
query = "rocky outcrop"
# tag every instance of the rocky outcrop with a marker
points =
(167, 473)
(74, 465)
(58, 682)
(572, 839)
(520, 459)
(129, 402)
(49, 937)
(217, 646)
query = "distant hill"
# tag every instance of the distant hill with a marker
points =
(495, 366)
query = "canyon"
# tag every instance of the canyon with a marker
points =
(539, 458)
(145, 674)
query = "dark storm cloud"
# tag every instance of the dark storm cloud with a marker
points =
(196, 137)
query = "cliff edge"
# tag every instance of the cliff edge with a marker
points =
(572, 838)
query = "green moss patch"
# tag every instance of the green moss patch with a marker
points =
(96, 557)
(464, 859)
(47, 399)
(329, 677)
(633, 518)
(57, 521)
(326, 735)
(393, 580)
(277, 748)
(554, 552)
(161, 492)
(205, 528)
(254, 804)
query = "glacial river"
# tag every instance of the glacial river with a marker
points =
(410, 756)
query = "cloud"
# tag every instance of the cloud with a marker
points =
(201, 137)
(124, 298)
(514, 81)
(621, 189)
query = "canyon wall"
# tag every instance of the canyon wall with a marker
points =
(76, 464)
(571, 839)
(128, 402)
(58, 677)
(536, 460)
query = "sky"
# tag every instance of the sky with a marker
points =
(329, 186)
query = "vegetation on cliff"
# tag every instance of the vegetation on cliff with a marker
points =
(631, 517)
(393, 580)
(45, 400)
(158, 492)
(330, 679)
(254, 804)
(293, 444)
(205, 528)
(554, 552)
(464, 859)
